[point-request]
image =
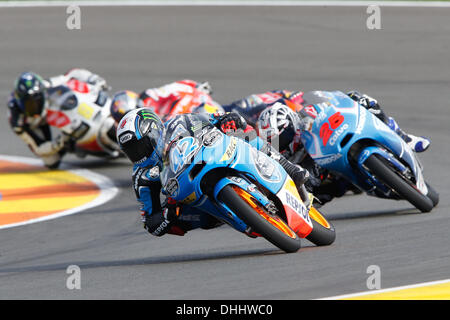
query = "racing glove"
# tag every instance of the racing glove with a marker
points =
(369, 103)
(230, 122)
(160, 223)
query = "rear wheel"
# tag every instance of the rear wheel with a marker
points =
(323, 233)
(403, 187)
(270, 226)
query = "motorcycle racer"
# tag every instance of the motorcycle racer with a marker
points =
(141, 135)
(184, 96)
(252, 106)
(28, 106)
(278, 116)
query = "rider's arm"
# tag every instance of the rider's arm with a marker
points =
(369, 103)
(157, 219)
(250, 107)
(232, 123)
(203, 86)
(155, 97)
(39, 140)
(40, 147)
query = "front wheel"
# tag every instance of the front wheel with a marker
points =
(401, 186)
(271, 227)
(323, 233)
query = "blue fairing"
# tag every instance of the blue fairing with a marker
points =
(340, 124)
(194, 159)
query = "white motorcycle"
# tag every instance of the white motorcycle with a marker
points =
(82, 113)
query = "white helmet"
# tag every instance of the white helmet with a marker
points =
(279, 125)
(140, 135)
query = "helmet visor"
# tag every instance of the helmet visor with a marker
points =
(33, 104)
(138, 150)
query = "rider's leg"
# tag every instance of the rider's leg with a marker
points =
(418, 144)
(107, 134)
(296, 172)
(53, 161)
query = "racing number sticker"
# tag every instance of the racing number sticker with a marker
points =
(85, 110)
(182, 152)
(326, 130)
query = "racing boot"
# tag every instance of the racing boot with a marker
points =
(418, 144)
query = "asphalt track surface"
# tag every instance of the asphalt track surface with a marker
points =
(240, 50)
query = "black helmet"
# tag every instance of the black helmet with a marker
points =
(30, 93)
(140, 135)
(122, 102)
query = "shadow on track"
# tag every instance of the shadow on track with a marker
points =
(372, 214)
(148, 261)
(95, 163)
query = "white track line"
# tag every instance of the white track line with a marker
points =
(371, 292)
(122, 3)
(106, 186)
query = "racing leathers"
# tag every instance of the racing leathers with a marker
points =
(35, 131)
(166, 216)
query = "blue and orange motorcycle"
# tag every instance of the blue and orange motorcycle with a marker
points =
(224, 176)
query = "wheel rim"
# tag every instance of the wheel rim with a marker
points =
(273, 220)
(317, 216)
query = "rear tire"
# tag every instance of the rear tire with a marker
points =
(391, 179)
(259, 224)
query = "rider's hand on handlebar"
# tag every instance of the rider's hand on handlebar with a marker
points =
(159, 223)
(231, 122)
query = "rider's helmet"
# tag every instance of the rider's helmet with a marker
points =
(279, 125)
(122, 102)
(140, 135)
(31, 94)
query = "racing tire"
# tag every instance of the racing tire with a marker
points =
(433, 195)
(393, 180)
(323, 233)
(260, 222)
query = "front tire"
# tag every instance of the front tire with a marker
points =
(323, 233)
(391, 179)
(433, 195)
(272, 228)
